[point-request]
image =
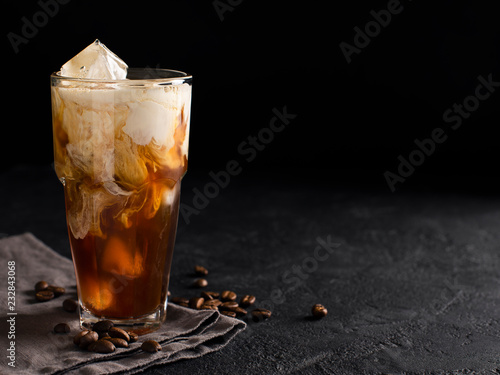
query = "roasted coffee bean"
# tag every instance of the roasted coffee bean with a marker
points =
(44, 295)
(119, 333)
(41, 285)
(228, 306)
(210, 295)
(319, 311)
(184, 304)
(208, 307)
(227, 295)
(213, 302)
(70, 305)
(78, 336)
(196, 302)
(87, 339)
(240, 312)
(260, 314)
(151, 346)
(200, 283)
(57, 290)
(207, 295)
(103, 326)
(247, 300)
(102, 346)
(133, 336)
(62, 328)
(119, 343)
(179, 300)
(200, 271)
(232, 314)
(103, 334)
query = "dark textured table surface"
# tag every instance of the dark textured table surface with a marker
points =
(411, 280)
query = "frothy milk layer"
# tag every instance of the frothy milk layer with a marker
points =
(105, 127)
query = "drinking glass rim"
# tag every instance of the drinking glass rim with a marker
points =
(179, 78)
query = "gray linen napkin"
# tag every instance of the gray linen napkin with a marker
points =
(187, 333)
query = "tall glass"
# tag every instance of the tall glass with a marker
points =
(120, 151)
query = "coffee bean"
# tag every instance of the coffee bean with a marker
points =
(102, 346)
(232, 314)
(103, 326)
(228, 306)
(179, 300)
(103, 334)
(70, 305)
(57, 290)
(62, 328)
(151, 346)
(247, 300)
(200, 283)
(87, 339)
(227, 295)
(196, 302)
(206, 295)
(200, 271)
(210, 295)
(78, 336)
(133, 336)
(184, 304)
(119, 343)
(239, 311)
(208, 307)
(319, 311)
(119, 333)
(213, 302)
(260, 314)
(44, 295)
(41, 285)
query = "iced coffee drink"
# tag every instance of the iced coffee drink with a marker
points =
(121, 150)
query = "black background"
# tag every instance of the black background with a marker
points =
(400, 252)
(353, 119)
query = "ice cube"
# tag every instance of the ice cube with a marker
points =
(95, 62)
(97, 294)
(90, 141)
(120, 259)
(157, 120)
(149, 121)
(86, 205)
(129, 167)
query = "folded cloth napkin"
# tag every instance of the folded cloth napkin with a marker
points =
(26, 327)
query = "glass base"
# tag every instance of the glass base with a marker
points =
(141, 325)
